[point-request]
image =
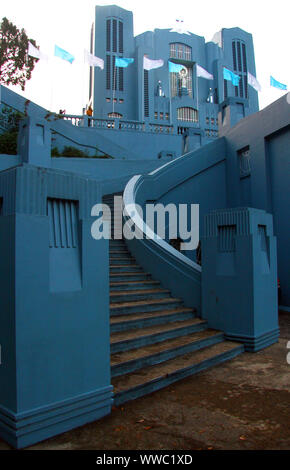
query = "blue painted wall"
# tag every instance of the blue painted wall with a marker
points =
(54, 335)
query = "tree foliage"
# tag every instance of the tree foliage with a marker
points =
(15, 64)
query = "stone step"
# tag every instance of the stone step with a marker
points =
(133, 339)
(137, 306)
(133, 285)
(144, 319)
(129, 361)
(119, 253)
(125, 268)
(143, 294)
(121, 261)
(129, 276)
(150, 379)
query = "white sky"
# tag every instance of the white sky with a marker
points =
(56, 84)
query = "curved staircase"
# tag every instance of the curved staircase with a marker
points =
(155, 339)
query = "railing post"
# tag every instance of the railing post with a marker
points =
(34, 142)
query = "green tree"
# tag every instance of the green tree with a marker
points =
(15, 64)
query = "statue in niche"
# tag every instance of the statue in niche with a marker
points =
(183, 77)
(159, 89)
(183, 81)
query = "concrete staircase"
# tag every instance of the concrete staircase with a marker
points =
(155, 339)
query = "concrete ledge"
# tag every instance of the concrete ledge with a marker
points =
(255, 344)
(24, 429)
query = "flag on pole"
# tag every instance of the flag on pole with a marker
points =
(201, 72)
(63, 54)
(253, 82)
(123, 62)
(35, 52)
(175, 68)
(231, 76)
(150, 64)
(277, 84)
(92, 60)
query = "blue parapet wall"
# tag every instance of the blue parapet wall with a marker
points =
(258, 173)
(54, 319)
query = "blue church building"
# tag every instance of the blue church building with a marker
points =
(180, 102)
(86, 322)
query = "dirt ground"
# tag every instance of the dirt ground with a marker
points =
(243, 404)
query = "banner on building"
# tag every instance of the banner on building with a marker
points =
(175, 68)
(123, 61)
(201, 72)
(231, 77)
(150, 64)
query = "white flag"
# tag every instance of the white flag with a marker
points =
(93, 61)
(201, 72)
(254, 82)
(150, 64)
(36, 53)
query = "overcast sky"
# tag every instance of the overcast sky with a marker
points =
(57, 84)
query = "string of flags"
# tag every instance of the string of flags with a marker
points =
(151, 64)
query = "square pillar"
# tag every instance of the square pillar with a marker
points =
(34, 142)
(239, 276)
(54, 319)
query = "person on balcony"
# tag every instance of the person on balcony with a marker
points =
(89, 113)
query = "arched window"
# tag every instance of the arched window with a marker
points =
(180, 51)
(187, 114)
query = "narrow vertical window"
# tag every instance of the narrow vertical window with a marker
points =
(121, 38)
(239, 56)
(121, 79)
(146, 93)
(234, 55)
(225, 89)
(114, 35)
(108, 35)
(108, 72)
(114, 73)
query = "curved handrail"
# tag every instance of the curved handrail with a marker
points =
(131, 211)
(175, 270)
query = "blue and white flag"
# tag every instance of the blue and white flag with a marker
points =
(277, 84)
(175, 68)
(63, 54)
(231, 77)
(123, 62)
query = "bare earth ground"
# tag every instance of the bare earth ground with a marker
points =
(241, 405)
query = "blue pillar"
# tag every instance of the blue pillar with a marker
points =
(54, 318)
(34, 141)
(239, 276)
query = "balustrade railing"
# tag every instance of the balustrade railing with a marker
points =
(117, 124)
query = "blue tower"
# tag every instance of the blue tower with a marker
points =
(188, 103)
